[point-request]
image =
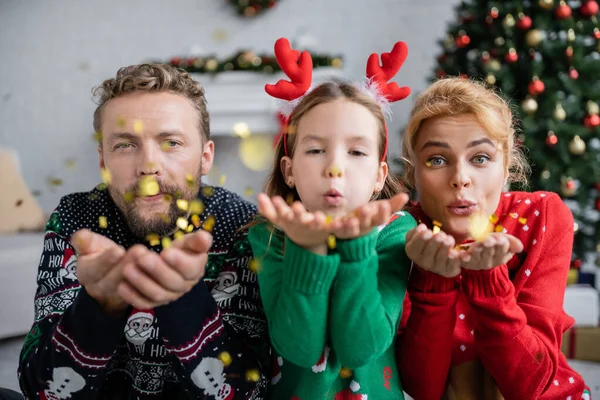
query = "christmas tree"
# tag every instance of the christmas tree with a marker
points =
(545, 56)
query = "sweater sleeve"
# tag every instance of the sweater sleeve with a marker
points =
(424, 351)
(71, 338)
(519, 338)
(295, 286)
(367, 297)
(220, 352)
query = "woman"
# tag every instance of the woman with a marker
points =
(490, 268)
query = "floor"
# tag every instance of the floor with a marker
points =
(10, 348)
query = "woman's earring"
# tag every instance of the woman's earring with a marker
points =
(290, 183)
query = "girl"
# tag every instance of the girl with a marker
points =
(486, 322)
(333, 310)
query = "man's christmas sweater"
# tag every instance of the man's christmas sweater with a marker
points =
(209, 344)
(333, 318)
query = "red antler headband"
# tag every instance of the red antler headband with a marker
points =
(298, 67)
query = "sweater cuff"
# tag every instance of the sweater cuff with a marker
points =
(308, 272)
(359, 248)
(102, 331)
(487, 283)
(424, 281)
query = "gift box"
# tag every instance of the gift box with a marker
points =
(581, 302)
(582, 343)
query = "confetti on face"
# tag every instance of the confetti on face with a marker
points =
(479, 226)
(148, 186)
(225, 358)
(522, 220)
(335, 171)
(128, 197)
(208, 191)
(252, 375)
(102, 222)
(331, 242)
(18, 203)
(189, 178)
(97, 137)
(291, 129)
(182, 204)
(165, 146)
(166, 242)
(196, 207)
(196, 220)
(428, 163)
(106, 175)
(209, 223)
(182, 223)
(256, 152)
(345, 373)
(138, 126)
(178, 235)
(121, 122)
(222, 180)
(165, 217)
(493, 218)
(241, 129)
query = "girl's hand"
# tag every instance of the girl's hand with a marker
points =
(496, 249)
(433, 252)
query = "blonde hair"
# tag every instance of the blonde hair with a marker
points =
(455, 96)
(153, 78)
(325, 93)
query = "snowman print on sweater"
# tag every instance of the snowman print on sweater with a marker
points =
(64, 383)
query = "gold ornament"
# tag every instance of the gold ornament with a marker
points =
(494, 65)
(499, 41)
(212, 64)
(571, 35)
(534, 37)
(509, 21)
(529, 105)
(546, 4)
(577, 146)
(490, 78)
(559, 113)
(592, 108)
(545, 174)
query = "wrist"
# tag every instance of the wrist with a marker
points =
(320, 249)
(112, 306)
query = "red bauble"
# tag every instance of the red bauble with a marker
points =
(524, 23)
(440, 73)
(191, 61)
(494, 13)
(512, 56)
(573, 73)
(589, 8)
(597, 33)
(569, 52)
(576, 263)
(463, 41)
(591, 121)
(175, 61)
(536, 87)
(551, 140)
(464, 76)
(563, 11)
(271, 4)
(598, 204)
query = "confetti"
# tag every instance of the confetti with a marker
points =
(121, 122)
(331, 242)
(241, 129)
(479, 226)
(128, 197)
(209, 223)
(182, 223)
(148, 186)
(254, 265)
(289, 199)
(328, 219)
(256, 152)
(225, 358)
(493, 218)
(428, 163)
(189, 178)
(168, 198)
(137, 126)
(345, 373)
(151, 165)
(222, 180)
(514, 215)
(437, 227)
(102, 222)
(55, 181)
(249, 191)
(178, 235)
(166, 242)
(196, 207)
(153, 239)
(182, 204)
(165, 217)
(70, 163)
(291, 129)
(189, 228)
(522, 220)
(93, 197)
(165, 146)
(335, 171)
(101, 186)
(219, 35)
(196, 220)
(18, 203)
(252, 375)
(97, 137)
(208, 191)
(106, 175)
(498, 228)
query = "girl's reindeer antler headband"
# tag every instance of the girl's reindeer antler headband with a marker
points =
(298, 67)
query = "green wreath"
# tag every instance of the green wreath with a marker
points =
(251, 8)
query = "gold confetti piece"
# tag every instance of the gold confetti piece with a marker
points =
(209, 223)
(436, 229)
(182, 223)
(493, 218)
(196, 207)
(256, 152)
(241, 129)
(121, 122)
(70, 163)
(165, 217)
(222, 180)
(289, 199)
(514, 215)
(437, 223)
(178, 194)
(97, 137)
(291, 129)
(479, 226)
(106, 175)
(428, 163)
(328, 219)
(189, 228)
(148, 186)
(345, 373)
(254, 265)
(331, 242)
(219, 35)
(335, 171)
(93, 197)
(252, 375)
(189, 178)
(55, 181)
(153, 239)
(101, 186)
(151, 165)
(522, 220)
(196, 220)
(18, 203)
(499, 228)
(165, 146)
(249, 191)
(208, 191)
(178, 235)
(166, 242)
(182, 204)
(128, 197)
(225, 358)
(138, 126)
(167, 198)
(102, 222)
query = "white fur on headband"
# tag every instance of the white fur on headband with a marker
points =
(366, 86)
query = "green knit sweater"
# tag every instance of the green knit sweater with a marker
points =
(333, 319)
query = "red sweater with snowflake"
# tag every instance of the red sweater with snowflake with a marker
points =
(509, 318)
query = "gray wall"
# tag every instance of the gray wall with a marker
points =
(53, 52)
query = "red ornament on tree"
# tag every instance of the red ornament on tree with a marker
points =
(569, 52)
(598, 204)
(511, 56)
(573, 73)
(463, 41)
(576, 263)
(563, 11)
(536, 87)
(175, 61)
(589, 8)
(524, 22)
(591, 121)
(551, 139)
(494, 12)
(597, 33)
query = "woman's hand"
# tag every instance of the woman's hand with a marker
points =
(496, 249)
(433, 252)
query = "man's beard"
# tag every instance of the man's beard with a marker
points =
(161, 224)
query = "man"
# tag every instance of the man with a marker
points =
(124, 307)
